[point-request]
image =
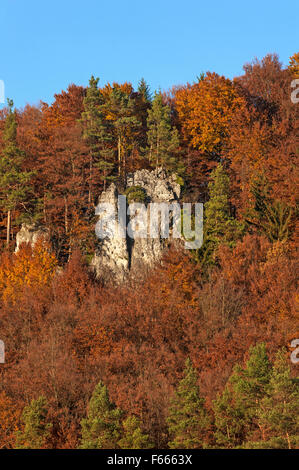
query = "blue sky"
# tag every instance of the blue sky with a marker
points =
(45, 45)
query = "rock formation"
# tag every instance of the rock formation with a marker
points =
(30, 233)
(119, 255)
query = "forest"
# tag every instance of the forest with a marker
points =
(195, 352)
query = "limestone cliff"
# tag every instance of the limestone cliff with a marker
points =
(30, 233)
(121, 256)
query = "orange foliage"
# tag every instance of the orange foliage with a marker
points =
(29, 267)
(10, 414)
(205, 110)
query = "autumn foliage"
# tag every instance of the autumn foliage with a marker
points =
(90, 363)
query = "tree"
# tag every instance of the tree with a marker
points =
(144, 90)
(278, 411)
(236, 409)
(101, 429)
(219, 226)
(294, 64)
(121, 115)
(188, 420)
(163, 139)
(133, 438)
(28, 268)
(36, 430)
(205, 110)
(14, 181)
(97, 132)
(9, 421)
(273, 218)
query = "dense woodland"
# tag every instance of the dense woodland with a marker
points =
(194, 353)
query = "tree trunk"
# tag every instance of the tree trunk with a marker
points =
(119, 155)
(288, 439)
(8, 227)
(66, 224)
(90, 181)
(45, 210)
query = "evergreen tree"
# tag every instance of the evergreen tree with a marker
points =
(278, 411)
(144, 90)
(188, 419)
(102, 427)
(122, 114)
(133, 438)
(236, 410)
(14, 181)
(162, 138)
(97, 132)
(36, 429)
(273, 218)
(219, 225)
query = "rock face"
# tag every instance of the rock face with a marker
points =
(123, 255)
(112, 255)
(31, 233)
(158, 186)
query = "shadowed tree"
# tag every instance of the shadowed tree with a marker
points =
(36, 429)
(102, 427)
(133, 438)
(14, 181)
(188, 420)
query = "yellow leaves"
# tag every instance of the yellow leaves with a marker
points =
(28, 267)
(9, 421)
(276, 251)
(294, 65)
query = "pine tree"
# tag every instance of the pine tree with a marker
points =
(14, 181)
(97, 132)
(278, 411)
(188, 419)
(236, 410)
(273, 218)
(102, 427)
(133, 438)
(36, 429)
(219, 225)
(162, 137)
(144, 90)
(121, 113)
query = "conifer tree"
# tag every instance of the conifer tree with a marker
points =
(236, 409)
(219, 225)
(188, 420)
(97, 132)
(162, 137)
(273, 218)
(101, 429)
(121, 114)
(144, 90)
(14, 181)
(36, 430)
(133, 438)
(278, 411)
